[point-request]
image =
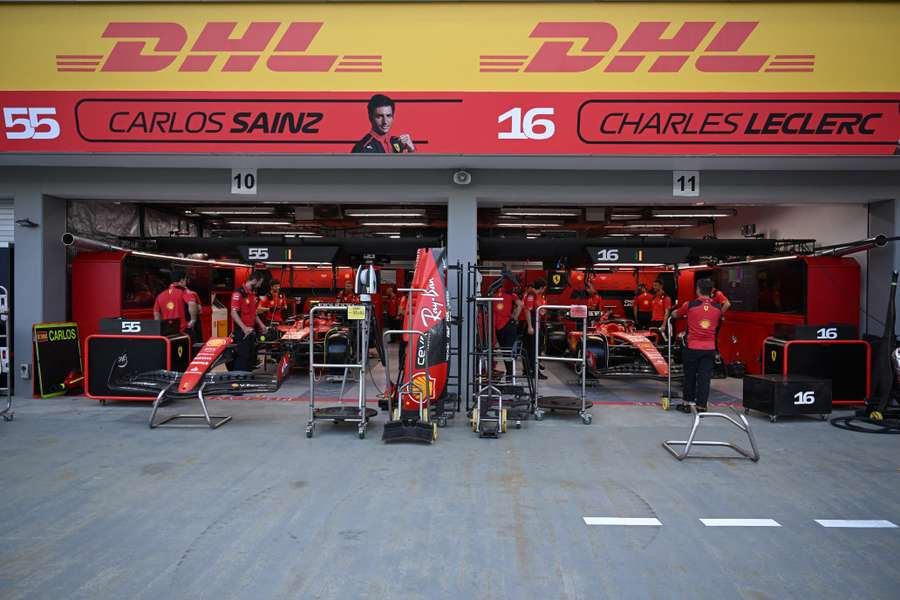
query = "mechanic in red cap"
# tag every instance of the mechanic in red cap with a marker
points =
(703, 317)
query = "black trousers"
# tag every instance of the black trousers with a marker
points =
(245, 356)
(698, 367)
(643, 320)
(506, 337)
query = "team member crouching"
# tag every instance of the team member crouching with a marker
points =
(246, 320)
(703, 316)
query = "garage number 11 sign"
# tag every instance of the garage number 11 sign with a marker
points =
(244, 181)
(686, 183)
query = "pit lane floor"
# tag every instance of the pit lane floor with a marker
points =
(95, 505)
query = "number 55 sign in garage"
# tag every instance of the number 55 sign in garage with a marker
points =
(633, 78)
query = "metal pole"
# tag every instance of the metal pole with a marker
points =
(312, 362)
(584, 362)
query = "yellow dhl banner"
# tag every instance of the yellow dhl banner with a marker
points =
(602, 47)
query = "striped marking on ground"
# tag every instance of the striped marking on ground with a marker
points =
(740, 522)
(856, 524)
(629, 521)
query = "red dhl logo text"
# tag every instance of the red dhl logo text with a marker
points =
(576, 47)
(157, 46)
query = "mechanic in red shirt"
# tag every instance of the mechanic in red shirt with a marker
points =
(703, 317)
(594, 299)
(193, 325)
(506, 327)
(534, 298)
(347, 296)
(719, 298)
(172, 302)
(643, 307)
(273, 304)
(661, 305)
(246, 321)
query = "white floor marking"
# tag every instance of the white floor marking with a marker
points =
(858, 524)
(644, 521)
(740, 522)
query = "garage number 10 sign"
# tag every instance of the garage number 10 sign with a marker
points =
(244, 181)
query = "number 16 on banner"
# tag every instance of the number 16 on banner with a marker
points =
(528, 128)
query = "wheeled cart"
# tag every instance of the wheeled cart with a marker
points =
(489, 415)
(362, 316)
(406, 424)
(579, 404)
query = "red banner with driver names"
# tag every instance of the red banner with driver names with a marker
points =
(486, 123)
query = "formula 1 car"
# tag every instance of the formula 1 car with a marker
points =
(330, 337)
(615, 348)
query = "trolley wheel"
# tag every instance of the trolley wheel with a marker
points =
(664, 402)
(539, 415)
(433, 432)
(309, 432)
(587, 418)
(503, 424)
(518, 424)
(9, 417)
(442, 421)
(362, 435)
(747, 411)
(773, 419)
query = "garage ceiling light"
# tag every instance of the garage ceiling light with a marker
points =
(387, 212)
(694, 213)
(387, 233)
(292, 233)
(524, 224)
(230, 222)
(537, 212)
(660, 225)
(638, 235)
(235, 211)
(398, 224)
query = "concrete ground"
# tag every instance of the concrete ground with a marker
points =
(96, 505)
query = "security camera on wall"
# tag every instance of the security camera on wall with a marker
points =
(462, 178)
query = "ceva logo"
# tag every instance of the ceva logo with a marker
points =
(596, 41)
(157, 46)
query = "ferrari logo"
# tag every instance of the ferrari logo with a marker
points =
(556, 279)
(180, 351)
(705, 324)
(774, 356)
(170, 306)
(706, 307)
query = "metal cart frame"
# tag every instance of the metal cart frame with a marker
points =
(539, 411)
(362, 346)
